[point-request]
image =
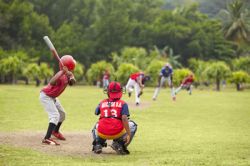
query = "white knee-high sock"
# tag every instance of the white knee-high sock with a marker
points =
(177, 90)
(172, 92)
(157, 90)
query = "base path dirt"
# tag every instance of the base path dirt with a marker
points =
(76, 144)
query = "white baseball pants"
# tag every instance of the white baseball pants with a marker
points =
(133, 84)
(53, 107)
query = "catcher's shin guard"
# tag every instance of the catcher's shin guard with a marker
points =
(97, 146)
(118, 145)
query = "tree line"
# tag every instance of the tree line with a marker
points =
(93, 30)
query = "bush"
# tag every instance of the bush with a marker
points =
(217, 71)
(243, 63)
(96, 70)
(179, 75)
(32, 71)
(79, 71)
(133, 55)
(198, 67)
(238, 78)
(124, 71)
(45, 72)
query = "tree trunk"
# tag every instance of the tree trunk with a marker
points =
(37, 82)
(13, 78)
(26, 81)
(218, 84)
(45, 81)
(238, 87)
(2, 79)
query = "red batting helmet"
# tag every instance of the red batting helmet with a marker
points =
(68, 61)
(114, 90)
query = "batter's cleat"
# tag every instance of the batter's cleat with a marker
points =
(49, 141)
(153, 98)
(174, 98)
(129, 94)
(97, 148)
(137, 104)
(58, 135)
(120, 149)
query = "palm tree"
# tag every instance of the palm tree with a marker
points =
(217, 71)
(11, 66)
(235, 22)
(239, 77)
(167, 54)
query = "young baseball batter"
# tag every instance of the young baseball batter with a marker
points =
(113, 122)
(136, 81)
(186, 84)
(166, 73)
(52, 105)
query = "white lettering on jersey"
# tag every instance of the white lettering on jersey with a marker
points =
(112, 104)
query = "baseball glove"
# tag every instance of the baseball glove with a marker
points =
(140, 93)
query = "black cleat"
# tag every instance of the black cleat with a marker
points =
(97, 149)
(129, 94)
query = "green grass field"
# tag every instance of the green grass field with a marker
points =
(207, 128)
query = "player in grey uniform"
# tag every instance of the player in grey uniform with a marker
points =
(166, 74)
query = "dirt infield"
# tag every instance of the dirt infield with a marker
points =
(77, 144)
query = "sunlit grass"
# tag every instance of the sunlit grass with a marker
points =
(206, 128)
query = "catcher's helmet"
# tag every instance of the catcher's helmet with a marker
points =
(114, 90)
(68, 61)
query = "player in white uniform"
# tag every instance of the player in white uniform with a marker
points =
(136, 81)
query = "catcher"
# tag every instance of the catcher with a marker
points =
(113, 122)
(52, 105)
(186, 84)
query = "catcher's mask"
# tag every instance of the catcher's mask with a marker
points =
(69, 62)
(114, 90)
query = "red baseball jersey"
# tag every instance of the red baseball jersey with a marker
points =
(56, 90)
(106, 75)
(188, 80)
(134, 76)
(110, 122)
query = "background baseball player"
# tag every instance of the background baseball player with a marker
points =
(166, 74)
(186, 84)
(52, 105)
(113, 122)
(136, 81)
(105, 79)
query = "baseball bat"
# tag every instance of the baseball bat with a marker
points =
(52, 48)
